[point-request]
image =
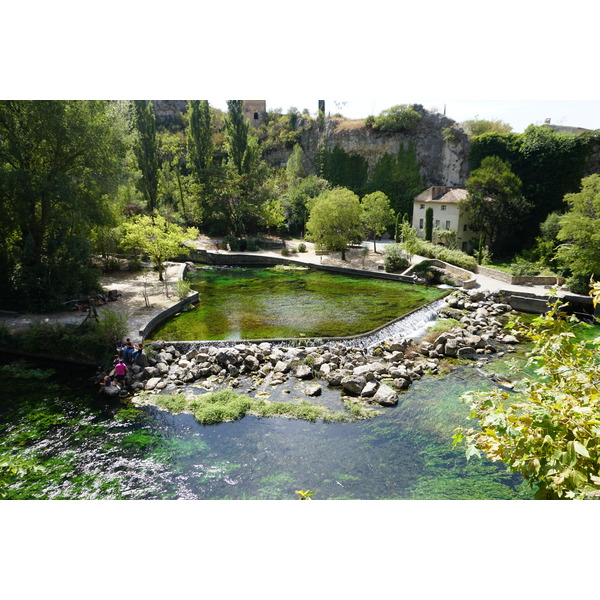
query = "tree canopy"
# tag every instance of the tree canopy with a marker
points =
(335, 220)
(60, 162)
(377, 215)
(496, 205)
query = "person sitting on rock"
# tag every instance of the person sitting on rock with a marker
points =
(128, 351)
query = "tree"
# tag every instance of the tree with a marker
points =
(580, 230)
(410, 240)
(496, 205)
(335, 220)
(158, 238)
(60, 162)
(237, 135)
(377, 215)
(296, 199)
(550, 431)
(429, 224)
(199, 138)
(400, 118)
(146, 151)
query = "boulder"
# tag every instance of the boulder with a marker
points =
(313, 390)
(370, 388)
(385, 396)
(303, 371)
(353, 384)
(152, 383)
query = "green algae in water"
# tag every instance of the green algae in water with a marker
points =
(242, 303)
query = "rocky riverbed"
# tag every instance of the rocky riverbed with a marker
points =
(376, 375)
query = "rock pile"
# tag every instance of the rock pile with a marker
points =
(375, 375)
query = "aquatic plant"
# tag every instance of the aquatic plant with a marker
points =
(304, 494)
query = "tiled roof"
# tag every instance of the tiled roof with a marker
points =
(448, 196)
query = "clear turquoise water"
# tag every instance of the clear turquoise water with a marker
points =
(88, 449)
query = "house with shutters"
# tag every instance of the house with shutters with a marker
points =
(449, 213)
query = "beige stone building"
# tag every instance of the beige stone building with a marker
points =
(255, 111)
(448, 213)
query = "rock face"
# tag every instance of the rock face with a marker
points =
(443, 158)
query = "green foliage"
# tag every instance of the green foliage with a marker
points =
(550, 430)
(301, 247)
(199, 138)
(394, 259)
(335, 220)
(60, 164)
(400, 118)
(158, 238)
(343, 169)
(377, 215)
(304, 494)
(524, 268)
(549, 164)
(237, 136)
(580, 230)
(182, 289)
(477, 126)
(429, 224)
(146, 151)
(496, 205)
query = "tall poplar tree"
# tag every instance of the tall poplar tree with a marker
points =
(237, 134)
(199, 138)
(146, 151)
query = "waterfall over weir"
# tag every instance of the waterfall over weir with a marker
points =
(411, 325)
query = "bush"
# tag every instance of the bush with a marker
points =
(302, 247)
(182, 289)
(394, 259)
(399, 118)
(524, 268)
(232, 241)
(579, 284)
(454, 257)
(285, 252)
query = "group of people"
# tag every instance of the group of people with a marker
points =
(127, 354)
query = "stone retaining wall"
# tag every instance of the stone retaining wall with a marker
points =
(260, 260)
(514, 279)
(165, 314)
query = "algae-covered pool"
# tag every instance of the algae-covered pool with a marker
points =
(258, 303)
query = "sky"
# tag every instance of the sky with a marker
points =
(517, 113)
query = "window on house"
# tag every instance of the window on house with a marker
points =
(464, 246)
(443, 207)
(447, 224)
(422, 206)
(465, 227)
(420, 223)
(256, 116)
(437, 223)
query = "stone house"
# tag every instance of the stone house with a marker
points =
(255, 111)
(448, 213)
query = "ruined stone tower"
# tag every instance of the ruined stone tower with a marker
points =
(255, 111)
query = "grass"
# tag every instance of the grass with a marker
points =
(226, 405)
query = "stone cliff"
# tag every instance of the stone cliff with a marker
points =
(442, 147)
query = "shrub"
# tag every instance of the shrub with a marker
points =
(399, 118)
(524, 268)
(302, 247)
(394, 259)
(454, 257)
(182, 289)
(232, 241)
(285, 251)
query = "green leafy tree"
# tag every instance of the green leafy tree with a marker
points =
(410, 239)
(335, 220)
(237, 135)
(199, 138)
(377, 215)
(158, 238)
(580, 230)
(60, 163)
(296, 198)
(550, 431)
(429, 224)
(496, 205)
(146, 151)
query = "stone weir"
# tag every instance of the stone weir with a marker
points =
(375, 372)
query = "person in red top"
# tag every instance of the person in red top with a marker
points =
(120, 371)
